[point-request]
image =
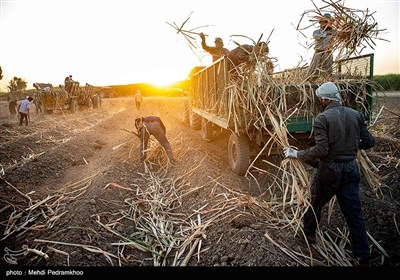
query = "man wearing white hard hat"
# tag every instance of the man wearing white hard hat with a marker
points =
(339, 132)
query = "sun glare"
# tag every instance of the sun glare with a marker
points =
(167, 76)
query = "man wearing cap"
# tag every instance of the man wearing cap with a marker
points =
(322, 60)
(218, 51)
(339, 132)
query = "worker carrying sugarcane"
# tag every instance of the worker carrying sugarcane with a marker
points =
(339, 132)
(217, 51)
(152, 125)
(322, 60)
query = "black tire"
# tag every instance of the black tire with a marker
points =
(239, 153)
(73, 106)
(195, 120)
(207, 130)
(186, 113)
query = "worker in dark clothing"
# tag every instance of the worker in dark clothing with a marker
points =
(152, 125)
(247, 53)
(240, 54)
(217, 51)
(339, 133)
(68, 81)
(12, 107)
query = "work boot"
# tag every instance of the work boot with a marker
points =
(362, 261)
(310, 238)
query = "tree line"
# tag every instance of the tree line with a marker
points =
(15, 84)
(383, 82)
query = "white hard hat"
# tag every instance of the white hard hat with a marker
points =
(27, 97)
(328, 91)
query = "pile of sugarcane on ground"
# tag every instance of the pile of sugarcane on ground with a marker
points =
(42, 214)
(169, 218)
(172, 228)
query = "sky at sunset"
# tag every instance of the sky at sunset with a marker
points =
(121, 42)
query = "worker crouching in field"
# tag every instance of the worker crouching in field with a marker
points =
(152, 125)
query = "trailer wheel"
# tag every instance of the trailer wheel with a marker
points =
(195, 120)
(206, 130)
(239, 153)
(73, 106)
(186, 113)
(47, 110)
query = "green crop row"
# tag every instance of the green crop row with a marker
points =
(390, 82)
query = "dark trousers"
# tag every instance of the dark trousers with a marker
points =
(341, 179)
(155, 129)
(22, 117)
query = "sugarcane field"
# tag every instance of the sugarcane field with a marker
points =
(75, 191)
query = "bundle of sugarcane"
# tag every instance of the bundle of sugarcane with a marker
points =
(355, 93)
(295, 177)
(188, 33)
(369, 170)
(252, 90)
(353, 29)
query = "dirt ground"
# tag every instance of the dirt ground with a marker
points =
(74, 193)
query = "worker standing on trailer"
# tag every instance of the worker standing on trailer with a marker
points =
(152, 125)
(68, 82)
(217, 51)
(339, 132)
(322, 60)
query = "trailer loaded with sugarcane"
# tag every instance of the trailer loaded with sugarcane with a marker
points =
(247, 101)
(69, 97)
